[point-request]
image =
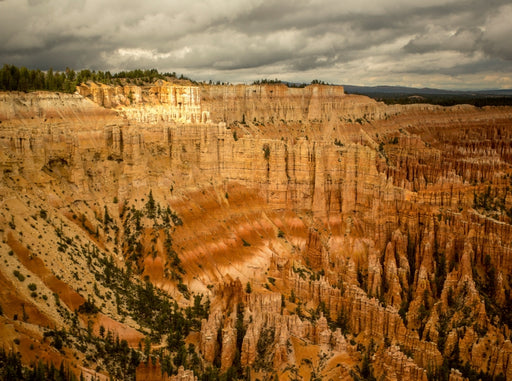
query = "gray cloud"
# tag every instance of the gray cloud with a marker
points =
(448, 43)
(439, 38)
(498, 30)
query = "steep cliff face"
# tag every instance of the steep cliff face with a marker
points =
(260, 104)
(334, 236)
(253, 103)
(163, 102)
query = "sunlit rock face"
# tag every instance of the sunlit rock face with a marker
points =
(332, 234)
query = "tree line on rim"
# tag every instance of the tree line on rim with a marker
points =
(13, 78)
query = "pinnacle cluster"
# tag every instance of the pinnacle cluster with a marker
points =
(181, 231)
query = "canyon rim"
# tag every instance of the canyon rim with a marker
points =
(181, 231)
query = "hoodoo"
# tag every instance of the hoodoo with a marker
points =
(191, 231)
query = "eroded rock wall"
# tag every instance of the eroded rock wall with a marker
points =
(355, 223)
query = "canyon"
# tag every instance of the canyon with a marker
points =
(304, 233)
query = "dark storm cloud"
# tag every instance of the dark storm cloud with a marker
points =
(442, 43)
(462, 40)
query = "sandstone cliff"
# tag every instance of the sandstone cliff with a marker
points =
(333, 235)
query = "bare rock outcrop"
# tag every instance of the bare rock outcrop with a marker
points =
(352, 221)
(391, 364)
(183, 375)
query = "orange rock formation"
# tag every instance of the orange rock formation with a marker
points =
(373, 238)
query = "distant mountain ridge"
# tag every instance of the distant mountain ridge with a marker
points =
(403, 90)
(408, 95)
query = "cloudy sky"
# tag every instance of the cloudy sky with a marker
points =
(454, 44)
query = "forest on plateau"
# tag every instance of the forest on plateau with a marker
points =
(13, 78)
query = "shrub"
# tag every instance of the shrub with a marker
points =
(88, 307)
(19, 275)
(266, 151)
(338, 143)
(184, 290)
